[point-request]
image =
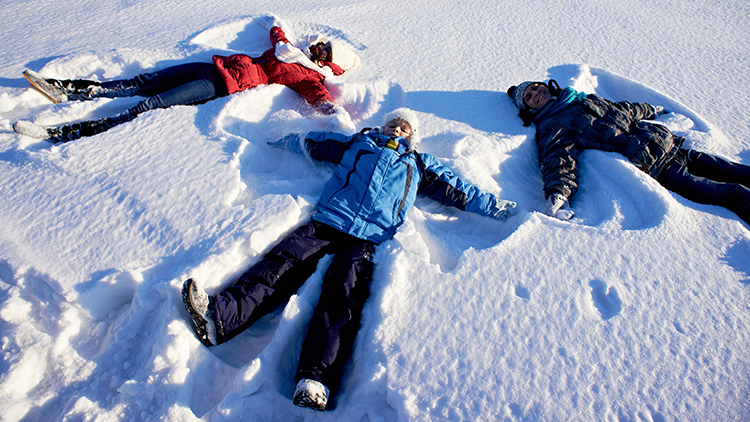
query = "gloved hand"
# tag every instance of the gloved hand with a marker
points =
(269, 21)
(502, 210)
(292, 143)
(557, 206)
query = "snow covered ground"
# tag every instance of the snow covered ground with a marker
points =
(637, 310)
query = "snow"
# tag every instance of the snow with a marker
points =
(637, 310)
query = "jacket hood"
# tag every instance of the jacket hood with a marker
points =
(410, 117)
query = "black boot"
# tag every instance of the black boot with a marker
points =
(71, 132)
(80, 89)
(84, 90)
(62, 90)
(75, 131)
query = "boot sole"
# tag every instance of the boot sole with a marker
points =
(199, 323)
(303, 400)
(28, 78)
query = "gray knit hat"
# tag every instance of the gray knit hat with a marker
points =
(518, 94)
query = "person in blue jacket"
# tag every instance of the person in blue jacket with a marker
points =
(569, 122)
(378, 177)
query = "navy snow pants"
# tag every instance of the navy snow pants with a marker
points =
(336, 320)
(707, 179)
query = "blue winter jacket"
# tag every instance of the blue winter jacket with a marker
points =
(377, 180)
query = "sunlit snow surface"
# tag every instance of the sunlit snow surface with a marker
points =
(636, 310)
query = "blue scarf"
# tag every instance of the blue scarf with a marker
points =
(567, 97)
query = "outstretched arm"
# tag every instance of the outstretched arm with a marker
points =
(313, 91)
(441, 184)
(316, 94)
(321, 146)
(558, 162)
(278, 36)
(639, 111)
(273, 25)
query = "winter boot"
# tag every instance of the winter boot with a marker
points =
(74, 131)
(63, 90)
(62, 134)
(197, 304)
(80, 89)
(312, 394)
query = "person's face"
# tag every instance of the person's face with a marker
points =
(536, 95)
(397, 127)
(321, 51)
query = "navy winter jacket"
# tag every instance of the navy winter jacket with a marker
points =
(564, 131)
(377, 180)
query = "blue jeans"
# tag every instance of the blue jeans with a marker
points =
(707, 179)
(185, 84)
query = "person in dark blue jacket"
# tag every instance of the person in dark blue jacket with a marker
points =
(569, 122)
(378, 177)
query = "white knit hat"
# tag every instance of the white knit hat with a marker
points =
(410, 117)
(343, 57)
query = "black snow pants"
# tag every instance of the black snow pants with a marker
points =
(336, 320)
(708, 179)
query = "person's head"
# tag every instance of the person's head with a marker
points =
(397, 128)
(530, 96)
(332, 51)
(321, 51)
(404, 123)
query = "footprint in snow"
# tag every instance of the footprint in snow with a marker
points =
(606, 300)
(522, 292)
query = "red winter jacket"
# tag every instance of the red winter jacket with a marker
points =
(241, 72)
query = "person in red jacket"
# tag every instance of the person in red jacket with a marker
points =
(304, 71)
